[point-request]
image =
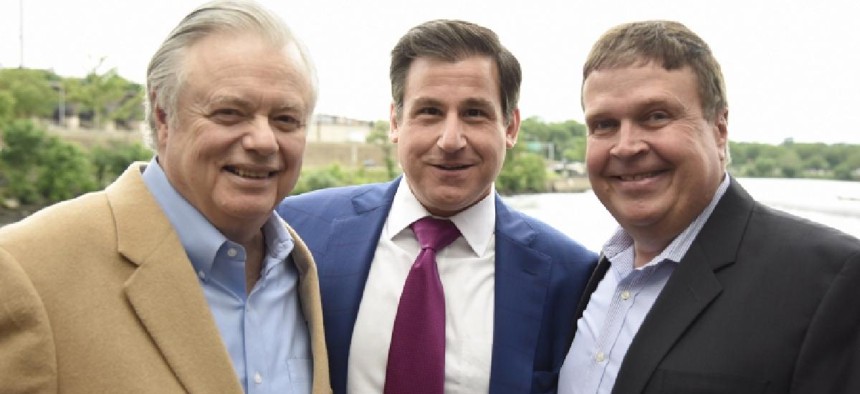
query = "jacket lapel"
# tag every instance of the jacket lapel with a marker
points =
(596, 276)
(309, 295)
(690, 290)
(343, 286)
(522, 279)
(164, 292)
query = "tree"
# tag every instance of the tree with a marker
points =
(40, 169)
(560, 141)
(379, 136)
(522, 172)
(107, 96)
(31, 91)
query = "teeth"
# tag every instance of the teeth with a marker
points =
(250, 174)
(637, 177)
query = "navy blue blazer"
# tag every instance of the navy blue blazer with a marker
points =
(540, 277)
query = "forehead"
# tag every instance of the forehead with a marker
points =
(442, 79)
(636, 84)
(237, 58)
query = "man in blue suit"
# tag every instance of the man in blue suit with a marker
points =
(511, 283)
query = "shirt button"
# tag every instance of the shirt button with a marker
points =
(201, 274)
(232, 252)
(625, 295)
(258, 378)
(599, 357)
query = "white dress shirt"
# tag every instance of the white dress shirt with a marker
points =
(467, 271)
(619, 305)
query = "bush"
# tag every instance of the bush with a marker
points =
(41, 169)
(332, 176)
(111, 160)
(523, 172)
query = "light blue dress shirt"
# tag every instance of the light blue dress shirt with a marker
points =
(264, 331)
(619, 305)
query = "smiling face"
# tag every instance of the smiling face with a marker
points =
(653, 159)
(451, 137)
(234, 148)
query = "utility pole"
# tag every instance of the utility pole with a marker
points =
(21, 31)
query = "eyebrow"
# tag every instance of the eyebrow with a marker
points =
(469, 102)
(286, 105)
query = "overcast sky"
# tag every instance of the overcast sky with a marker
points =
(792, 68)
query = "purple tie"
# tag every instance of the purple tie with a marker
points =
(416, 358)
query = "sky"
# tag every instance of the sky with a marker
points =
(792, 68)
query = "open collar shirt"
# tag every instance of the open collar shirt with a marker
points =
(263, 330)
(619, 305)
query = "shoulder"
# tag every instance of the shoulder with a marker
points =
(798, 247)
(793, 232)
(63, 221)
(544, 237)
(331, 201)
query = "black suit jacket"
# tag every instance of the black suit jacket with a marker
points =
(763, 302)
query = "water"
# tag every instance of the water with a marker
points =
(583, 218)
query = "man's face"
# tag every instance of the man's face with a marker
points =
(653, 159)
(235, 148)
(451, 138)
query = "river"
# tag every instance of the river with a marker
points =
(583, 218)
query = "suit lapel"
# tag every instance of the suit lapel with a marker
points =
(343, 287)
(688, 293)
(309, 295)
(522, 279)
(164, 292)
(596, 276)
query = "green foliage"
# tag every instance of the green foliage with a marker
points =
(522, 172)
(31, 90)
(563, 141)
(111, 160)
(41, 169)
(7, 107)
(334, 175)
(379, 136)
(30, 93)
(107, 96)
(795, 160)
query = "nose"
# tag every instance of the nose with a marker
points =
(260, 137)
(451, 139)
(629, 141)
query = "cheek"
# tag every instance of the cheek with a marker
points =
(593, 154)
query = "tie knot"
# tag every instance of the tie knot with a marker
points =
(434, 233)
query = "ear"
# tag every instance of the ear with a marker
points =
(513, 129)
(161, 124)
(393, 132)
(721, 130)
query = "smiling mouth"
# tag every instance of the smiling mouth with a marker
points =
(249, 174)
(451, 167)
(638, 177)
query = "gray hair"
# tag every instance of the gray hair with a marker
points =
(165, 74)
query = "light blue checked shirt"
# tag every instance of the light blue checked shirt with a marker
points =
(264, 330)
(619, 305)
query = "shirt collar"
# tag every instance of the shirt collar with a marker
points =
(198, 236)
(473, 222)
(621, 243)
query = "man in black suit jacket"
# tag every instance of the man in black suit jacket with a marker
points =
(702, 289)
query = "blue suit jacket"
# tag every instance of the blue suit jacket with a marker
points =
(540, 276)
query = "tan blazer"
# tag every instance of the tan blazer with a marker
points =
(97, 295)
